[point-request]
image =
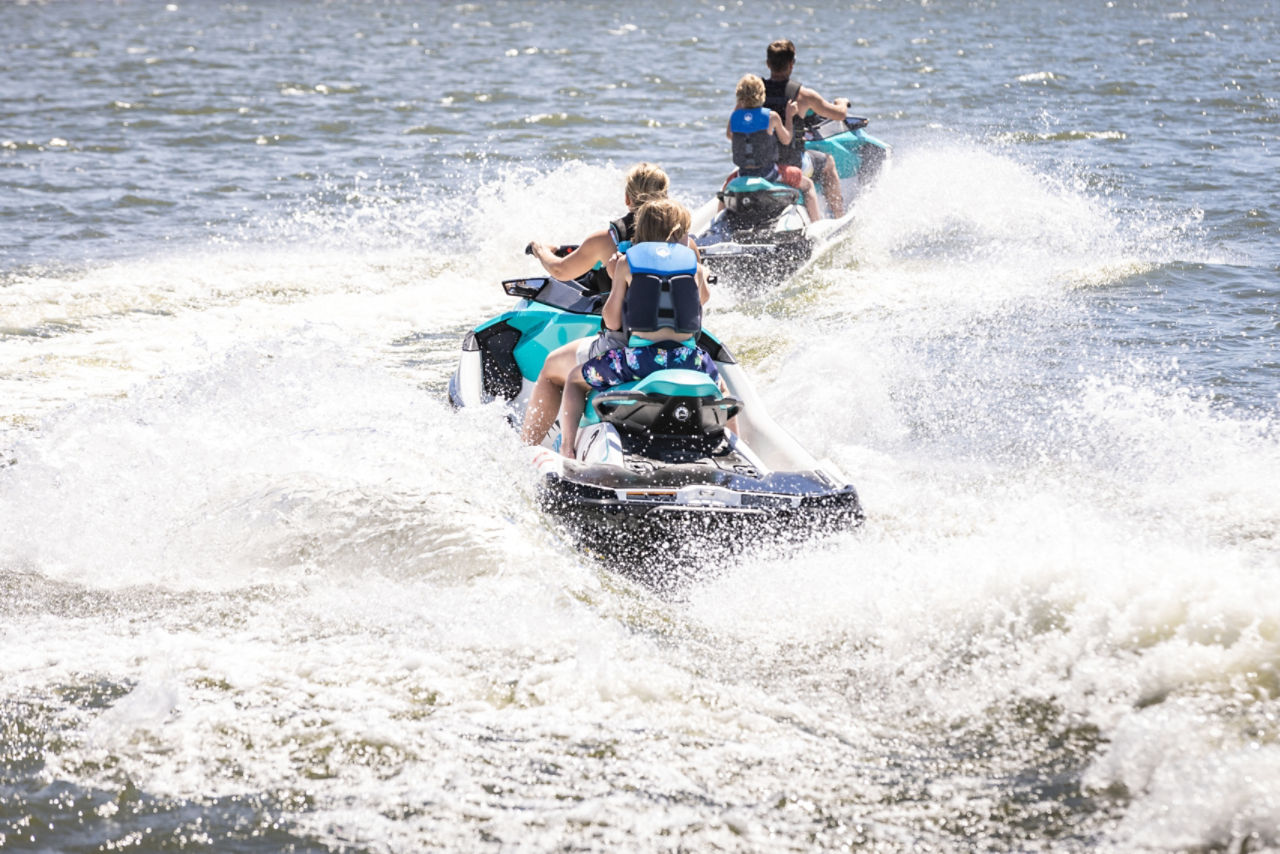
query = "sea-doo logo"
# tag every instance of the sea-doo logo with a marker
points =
(664, 252)
(681, 413)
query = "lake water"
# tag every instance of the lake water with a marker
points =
(261, 589)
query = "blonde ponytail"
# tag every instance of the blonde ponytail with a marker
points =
(646, 183)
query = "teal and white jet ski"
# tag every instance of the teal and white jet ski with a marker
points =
(669, 471)
(763, 234)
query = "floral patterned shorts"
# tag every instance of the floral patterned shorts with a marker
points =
(627, 364)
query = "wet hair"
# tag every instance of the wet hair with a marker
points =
(645, 182)
(662, 221)
(780, 54)
(750, 92)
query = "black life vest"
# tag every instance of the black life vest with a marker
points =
(755, 150)
(663, 293)
(598, 280)
(622, 228)
(776, 95)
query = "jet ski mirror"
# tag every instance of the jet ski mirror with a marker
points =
(523, 288)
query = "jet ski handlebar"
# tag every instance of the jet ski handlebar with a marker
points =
(816, 127)
(558, 251)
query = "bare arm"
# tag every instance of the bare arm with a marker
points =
(781, 129)
(612, 311)
(704, 292)
(598, 247)
(807, 99)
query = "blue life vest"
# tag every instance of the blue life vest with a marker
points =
(663, 293)
(755, 150)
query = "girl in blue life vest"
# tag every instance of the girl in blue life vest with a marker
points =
(756, 131)
(658, 337)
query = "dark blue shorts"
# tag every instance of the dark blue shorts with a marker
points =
(628, 364)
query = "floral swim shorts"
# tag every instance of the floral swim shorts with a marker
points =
(627, 364)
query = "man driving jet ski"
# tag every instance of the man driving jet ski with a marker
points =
(779, 90)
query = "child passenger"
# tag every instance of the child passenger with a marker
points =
(755, 131)
(657, 340)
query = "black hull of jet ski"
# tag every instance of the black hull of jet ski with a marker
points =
(669, 523)
(667, 548)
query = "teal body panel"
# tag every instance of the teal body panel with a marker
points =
(543, 329)
(752, 184)
(845, 149)
(742, 184)
(679, 382)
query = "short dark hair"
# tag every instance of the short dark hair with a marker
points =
(781, 53)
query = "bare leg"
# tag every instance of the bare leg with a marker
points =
(540, 414)
(732, 424)
(572, 406)
(831, 188)
(544, 402)
(732, 175)
(810, 199)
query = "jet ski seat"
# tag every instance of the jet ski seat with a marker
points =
(757, 198)
(675, 405)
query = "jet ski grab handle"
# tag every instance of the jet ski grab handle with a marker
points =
(666, 414)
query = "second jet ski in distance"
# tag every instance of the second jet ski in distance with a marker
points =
(756, 233)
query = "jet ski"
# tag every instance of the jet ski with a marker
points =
(670, 474)
(756, 233)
